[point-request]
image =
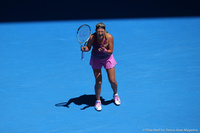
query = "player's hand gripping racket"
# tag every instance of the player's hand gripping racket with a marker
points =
(83, 35)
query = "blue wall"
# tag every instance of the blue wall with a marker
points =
(40, 10)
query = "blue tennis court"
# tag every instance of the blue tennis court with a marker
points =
(46, 88)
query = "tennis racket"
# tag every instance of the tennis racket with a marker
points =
(83, 35)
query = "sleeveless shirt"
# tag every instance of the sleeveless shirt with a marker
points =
(96, 53)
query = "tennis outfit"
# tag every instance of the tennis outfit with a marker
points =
(99, 59)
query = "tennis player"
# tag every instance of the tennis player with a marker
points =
(102, 55)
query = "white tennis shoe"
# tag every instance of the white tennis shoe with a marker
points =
(97, 106)
(116, 99)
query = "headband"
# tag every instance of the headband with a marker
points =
(103, 27)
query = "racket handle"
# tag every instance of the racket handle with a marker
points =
(82, 56)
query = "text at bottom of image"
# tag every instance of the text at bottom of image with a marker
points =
(169, 130)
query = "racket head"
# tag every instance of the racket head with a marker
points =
(83, 33)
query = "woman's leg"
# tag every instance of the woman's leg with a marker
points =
(112, 80)
(98, 78)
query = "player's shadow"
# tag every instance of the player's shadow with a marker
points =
(88, 100)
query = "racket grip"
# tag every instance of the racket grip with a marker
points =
(82, 56)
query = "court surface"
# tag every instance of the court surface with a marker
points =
(46, 88)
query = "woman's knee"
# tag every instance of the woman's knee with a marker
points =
(98, 82)
(112, 81)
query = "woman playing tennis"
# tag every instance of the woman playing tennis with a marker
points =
(101, 55)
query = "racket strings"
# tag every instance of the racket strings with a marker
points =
(83, 34)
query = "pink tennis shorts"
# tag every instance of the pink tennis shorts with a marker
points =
(107, 63)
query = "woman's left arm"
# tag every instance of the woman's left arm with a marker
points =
(110, 44)
(109, 50)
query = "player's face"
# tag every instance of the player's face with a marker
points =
(100, 33)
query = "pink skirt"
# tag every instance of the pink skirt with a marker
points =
(107, 63)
